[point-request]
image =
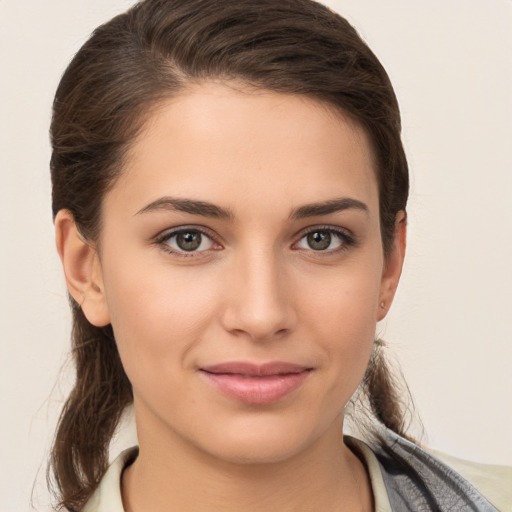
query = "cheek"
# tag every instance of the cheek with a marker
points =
(158, 314)
(341, 315)
(345, 299)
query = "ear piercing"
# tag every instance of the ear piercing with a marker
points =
(382, 305)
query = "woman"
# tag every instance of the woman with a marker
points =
(229, 193)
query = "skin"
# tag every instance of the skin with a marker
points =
(254, 291)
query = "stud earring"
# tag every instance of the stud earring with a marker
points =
(382, 305)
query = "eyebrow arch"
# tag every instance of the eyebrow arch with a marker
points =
(327, 207)
(207, 209)
(191, 206)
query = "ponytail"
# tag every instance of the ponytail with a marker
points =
(90, 415)
(382, 399)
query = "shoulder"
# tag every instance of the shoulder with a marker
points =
(494, 482)
(433, 481)
(107, 496)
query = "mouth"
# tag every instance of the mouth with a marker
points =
(256, 384)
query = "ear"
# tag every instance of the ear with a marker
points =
(82, 269)
(393, 266)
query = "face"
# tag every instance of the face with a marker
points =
(242, 270)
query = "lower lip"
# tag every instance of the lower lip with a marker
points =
(257, 390)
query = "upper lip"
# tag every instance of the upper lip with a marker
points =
(255, 370)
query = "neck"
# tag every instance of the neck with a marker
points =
(170, 474)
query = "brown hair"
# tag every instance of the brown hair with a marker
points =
(121, 73)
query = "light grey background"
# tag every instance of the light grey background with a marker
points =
(450, 62)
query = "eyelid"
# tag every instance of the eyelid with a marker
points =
(347, 236)
(325, 227)
(167, 234)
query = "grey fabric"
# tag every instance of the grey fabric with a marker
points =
(418, 482)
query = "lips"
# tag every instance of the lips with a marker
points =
(254, 383)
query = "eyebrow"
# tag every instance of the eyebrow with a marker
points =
(327, 207)
(188, 206)
(207, 209)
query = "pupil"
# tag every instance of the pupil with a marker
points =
(319, 241)
(188, 241)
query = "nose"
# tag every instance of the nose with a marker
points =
(259, 301)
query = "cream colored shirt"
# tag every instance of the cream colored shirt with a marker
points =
(494, 482)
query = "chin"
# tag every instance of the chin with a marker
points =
(263, 442)
(257, 452)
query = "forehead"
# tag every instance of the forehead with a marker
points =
(228, 143)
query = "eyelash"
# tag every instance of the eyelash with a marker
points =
(346, 237)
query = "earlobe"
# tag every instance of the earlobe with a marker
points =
(393, 266)
(82, 269)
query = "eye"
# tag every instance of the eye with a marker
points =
(186, 240)
(325, 239)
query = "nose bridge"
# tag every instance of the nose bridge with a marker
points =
(259, 302)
